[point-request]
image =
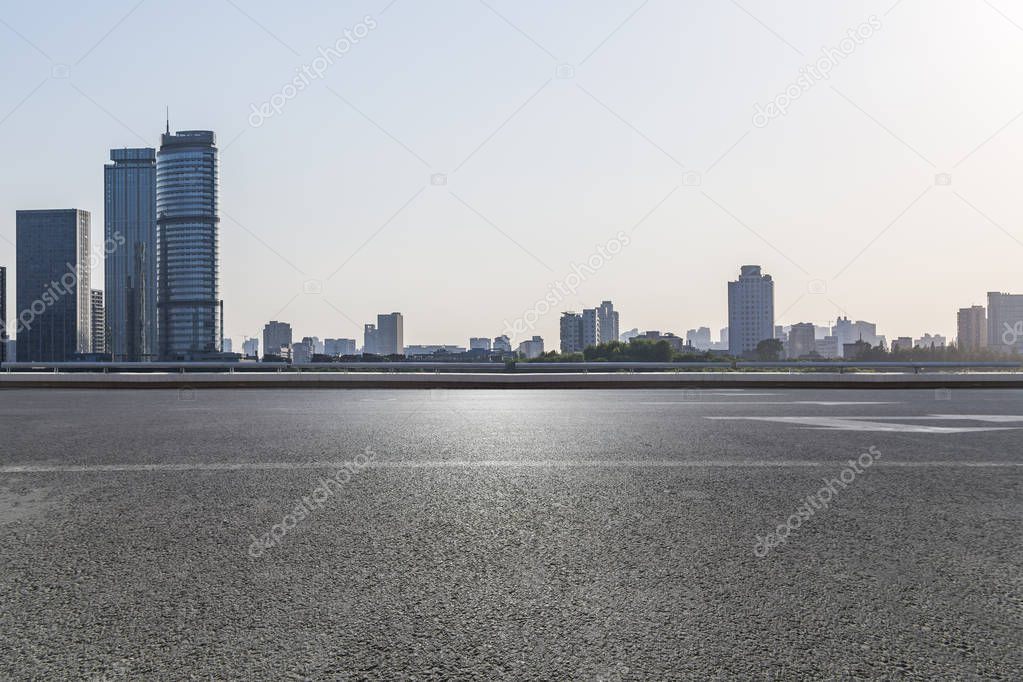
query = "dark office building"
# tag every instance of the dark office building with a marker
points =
(53, 294)
(129, 222)
(99, 323)
(187, 259)
(3, 314)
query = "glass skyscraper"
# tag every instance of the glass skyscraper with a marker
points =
(54, 295)
(130, 231)
(187, 258)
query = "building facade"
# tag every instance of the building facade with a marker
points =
(99, 322)
(339, 347)
(750, 310)
(591, 327)
(479, 343)
(502, 344)
(699, 338)
(571, 335)
(1005, 321)
(250, 348)
(129, 226)
(802, 340)
(532, 348)
(187, 221)
(54, 297)
(971, 328)
(390, 334)
(3, 314)
(607, 319)
(276, 335)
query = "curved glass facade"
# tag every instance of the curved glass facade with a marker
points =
(187, 225)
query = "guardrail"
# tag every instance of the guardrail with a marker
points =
(489, 367)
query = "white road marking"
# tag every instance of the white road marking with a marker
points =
(826, 403)
(474, 464)
(862, 424)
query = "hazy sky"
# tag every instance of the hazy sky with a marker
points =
(649, 122)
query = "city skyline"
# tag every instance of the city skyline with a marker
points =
(866, 243)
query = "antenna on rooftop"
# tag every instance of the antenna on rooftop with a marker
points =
(168, 120)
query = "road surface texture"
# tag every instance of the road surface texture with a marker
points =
(599, 535)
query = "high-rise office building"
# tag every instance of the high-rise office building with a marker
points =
(591, 327)
(502, 344)
(227, 345)
(479, 343)
(390, 334)
(532, 348)
(129, 226)
(750, 310)
(276, 335)
(849, 332)
(972, 328)
(699, 338)
(3, 314)
(99, 322)
(370, 340)
(339, 347)
(1005, 321)
(301, 352)
(607, 320)
(187, 228)
(53, 285)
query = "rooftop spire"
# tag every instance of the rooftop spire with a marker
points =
(168, 119)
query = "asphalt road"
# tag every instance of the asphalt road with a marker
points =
(290, 534)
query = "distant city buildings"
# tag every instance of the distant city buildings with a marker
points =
(339, 347)
(390, 334)
(479, 343)
(532, 348)
(930, 341)
(849, 332)
(250, 348)
(502, 344)
(903, 343)
(276, 335)
(802, 341)
(314, 343)
(130, 253)
(750, 310)
(1005, 322)
(432, 349)
(187, 229)
(301, 353)
(571, 332)
(99, 323)
(53, 285)
(677, 344)
(699, 338)
(627, 336)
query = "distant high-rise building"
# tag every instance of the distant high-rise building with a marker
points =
(314, 343)
(390, 334)
(699, 338)
(301, 353)
(607, 320)
(802, 340)
(479, 343)
(129, 226)
(750, 310)
(1005, 321)
(53, 285)
(3, 314)
(972, 328)
(571, 332)
(187, 229)
(276, 335)
(502, 344)
(250, 348)
(339, 347)
(99, 322)
(903, 343)
(227, 345)
(532, 348)
(370, 340)
(828, 347)
(930, 341)
(591, 327)
(849, 332)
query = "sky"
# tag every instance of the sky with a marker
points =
(458, 160)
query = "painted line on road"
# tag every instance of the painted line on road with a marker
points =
(476, 464)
